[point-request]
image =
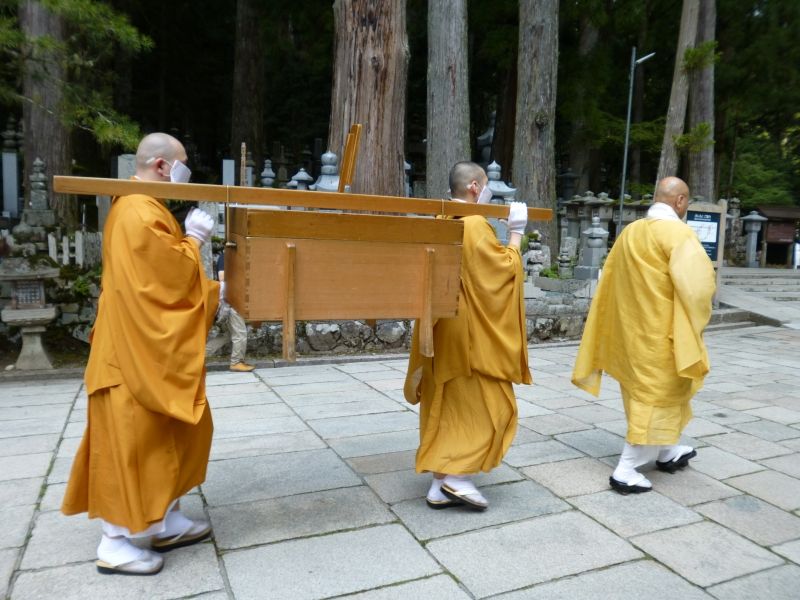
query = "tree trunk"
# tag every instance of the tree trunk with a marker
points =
(505, 123)
(46, 136)
(676, 113)
(701, 108)
(448, 95)
(247, 120)
(370, 73)
(579, 148)
(635, 177)
(534, 139)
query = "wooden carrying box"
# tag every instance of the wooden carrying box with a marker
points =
(306, 265)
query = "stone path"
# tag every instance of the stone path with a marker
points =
(312, 493)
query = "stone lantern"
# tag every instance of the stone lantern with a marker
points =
(752, 225)
(28, 309)
(328, 180)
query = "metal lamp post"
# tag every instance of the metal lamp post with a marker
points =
(634, 63)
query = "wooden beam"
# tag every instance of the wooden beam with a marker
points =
(226, 194)
(426, 319)
(289, 351)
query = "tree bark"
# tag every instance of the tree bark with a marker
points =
(505, 124)
(370, 73)
(448, 94)
(247, 119)
(46, 137)
(676, 113)
(534, 139)
(635, 177)
(701, 108)
(579, 148)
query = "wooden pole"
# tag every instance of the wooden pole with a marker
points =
(226, 194)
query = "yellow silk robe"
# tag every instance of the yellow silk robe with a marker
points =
(468, 413)
(148, 433)
(645, 327)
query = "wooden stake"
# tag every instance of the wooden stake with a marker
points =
(289, 351)
(425, 321)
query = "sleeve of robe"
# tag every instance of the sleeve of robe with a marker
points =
(489, 334)
(163, 307)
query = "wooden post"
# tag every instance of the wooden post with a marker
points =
(426, 321)
(289, 352)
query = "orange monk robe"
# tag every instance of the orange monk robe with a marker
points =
(148, 433)
(645, 327)
(468, 412)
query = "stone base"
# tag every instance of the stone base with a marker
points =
(587, 272)
(33, 356)
(38, 218)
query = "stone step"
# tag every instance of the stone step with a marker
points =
(723, 326)
(767, 288)
(729, 315)
(760, 282)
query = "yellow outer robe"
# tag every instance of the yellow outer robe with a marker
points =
(148, 433)
(468, 413)
(645, 327)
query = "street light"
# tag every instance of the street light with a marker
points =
(634, 63)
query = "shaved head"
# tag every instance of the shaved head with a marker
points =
(154, 149)
(462, 175)
(675, 193)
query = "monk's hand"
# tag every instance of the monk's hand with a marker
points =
(199, 225)
(517, 217)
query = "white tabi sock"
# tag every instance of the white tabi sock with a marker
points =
(118, 551)
(175, 523)
(632, 457)
(435, 492)
(670, 453)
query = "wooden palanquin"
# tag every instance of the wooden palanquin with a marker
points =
(308, 265)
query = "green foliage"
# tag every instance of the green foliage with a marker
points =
(549, 272)
(96, 36)
(699, 138)
(761, 173)
(701, 56)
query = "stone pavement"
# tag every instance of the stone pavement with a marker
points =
(312, 493)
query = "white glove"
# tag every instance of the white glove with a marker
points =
(199, 225)
(517, 217)
(221, 291)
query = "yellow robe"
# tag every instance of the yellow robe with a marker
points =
(645, 327)
(468, 413)
(148, 433)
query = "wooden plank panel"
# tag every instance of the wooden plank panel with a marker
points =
(349, 280)
(346, 226)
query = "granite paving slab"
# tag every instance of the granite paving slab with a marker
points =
(266, 521)
(440, 587)
(690, 487)
(396, 486)
(634, 514)
(187, 572)
(544, 548)
(789, 464)
(53, 496)
(643, 579)
(528, 409)
(330, 565)
(781, 583)
(508, 502)
(20, 492)
(536, 453)
(383, 463)
(30, 444)
(777, 414)
(24, 466)
(768, 430)
(8, 558)
(790, 550)
(379, 443)
(720, 464)
(776, 488)
(754, 519)
(364, 424)
(592, 414)
(706, 553)
(256, 445)
(275, 475)
(553, 423)
(574, 477)
(699, 427)
(594, 442)
(224, 428)
(348, 409)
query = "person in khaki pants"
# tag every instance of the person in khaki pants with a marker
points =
(236, 325)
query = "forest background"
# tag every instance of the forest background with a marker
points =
(90, 76)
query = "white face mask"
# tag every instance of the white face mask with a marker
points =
(486, 195)
(179, 172)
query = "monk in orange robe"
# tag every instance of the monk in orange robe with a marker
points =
(148, 433)
(468, 412)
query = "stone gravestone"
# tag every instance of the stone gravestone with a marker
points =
(593, 251)
(10, 171)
